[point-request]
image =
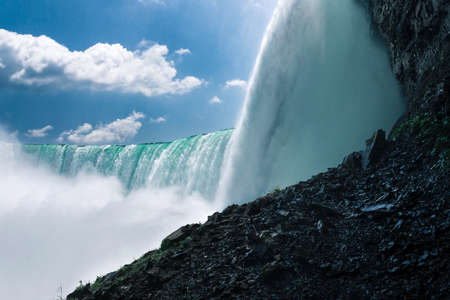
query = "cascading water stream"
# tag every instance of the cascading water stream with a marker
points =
(322, 83)
(191, 163)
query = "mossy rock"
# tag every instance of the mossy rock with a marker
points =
(432, 129)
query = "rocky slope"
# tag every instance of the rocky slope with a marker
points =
(349, 233)
(376, 227)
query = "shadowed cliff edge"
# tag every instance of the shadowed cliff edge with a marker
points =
(376, 227)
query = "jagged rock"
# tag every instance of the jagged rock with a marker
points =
(417, 34)
(353, 161)
(374, 148)
(377, 208)
(176, 236)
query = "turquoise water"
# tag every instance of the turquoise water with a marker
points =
(192, 163)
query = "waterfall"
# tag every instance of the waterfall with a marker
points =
(321, 85)
(191, 163)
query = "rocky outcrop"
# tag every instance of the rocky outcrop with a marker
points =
(417, 33)
(375, 146)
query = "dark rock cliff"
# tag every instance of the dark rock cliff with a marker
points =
(417, 33)
(376, 227)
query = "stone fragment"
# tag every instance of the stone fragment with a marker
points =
(353, 161)
(375, 146)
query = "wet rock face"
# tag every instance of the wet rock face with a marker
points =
(417, 33)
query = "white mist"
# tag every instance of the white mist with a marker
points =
(57, 230)
(321, 85)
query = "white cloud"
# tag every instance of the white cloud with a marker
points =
(145, 44)
(236, 83)
(39, 133)
(38, 61)
(215, 100)
(158, 120)
(183, 51)
(2, 66)
(75, 133)
(120, 131)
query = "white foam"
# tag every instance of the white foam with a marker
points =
(57, 230)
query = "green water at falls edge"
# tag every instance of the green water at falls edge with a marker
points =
(192, 163)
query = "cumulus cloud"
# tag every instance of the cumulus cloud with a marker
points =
(39, 133)
(39, 61)
(145, 44)
(120, 131)
(2, 66)
(158, 120)
(215, 100)
(183, 51)
(236, 83)
(75, 134)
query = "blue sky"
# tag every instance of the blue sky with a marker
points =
(125, 71)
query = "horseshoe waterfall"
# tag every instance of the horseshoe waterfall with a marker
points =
(321, 85)
(192, 163)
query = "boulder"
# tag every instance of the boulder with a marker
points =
(375, 147)
(353, 161)
(176, 236)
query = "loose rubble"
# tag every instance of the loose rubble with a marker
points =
(348, 233)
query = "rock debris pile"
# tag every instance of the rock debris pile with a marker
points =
(349, 233)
